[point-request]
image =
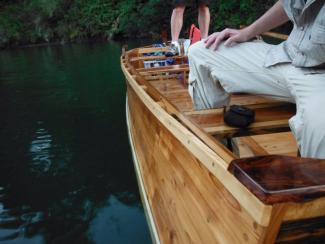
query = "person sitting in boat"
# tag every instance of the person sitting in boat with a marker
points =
(176, 22)
(226, 62)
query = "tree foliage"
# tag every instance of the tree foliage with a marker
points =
(34, 21)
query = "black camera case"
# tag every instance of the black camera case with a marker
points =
(239, 116)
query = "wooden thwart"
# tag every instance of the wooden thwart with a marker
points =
(268, 116)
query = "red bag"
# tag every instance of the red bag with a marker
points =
(195, 34)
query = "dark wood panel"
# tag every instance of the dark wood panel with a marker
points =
(302, 232)
(275, 179)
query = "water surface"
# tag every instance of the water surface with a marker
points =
(66, 172)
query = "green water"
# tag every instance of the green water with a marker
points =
(66, 171)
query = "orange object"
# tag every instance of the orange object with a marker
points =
(195, 34)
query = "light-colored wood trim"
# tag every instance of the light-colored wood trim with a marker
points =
(254, 146)
(213, 162)
(257, 125)
(280, 143)
(151, 50)
(275, 35)
(271, 34)
(145, 58)
(205, 111)
(150, 72)
(144, 197)
(220, 110)
(160, 77)
(272, 230)
(165, 70)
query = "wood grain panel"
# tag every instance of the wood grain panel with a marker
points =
(276, 179)
(275, 143)
(306, 231)
(213, 160)
(192, 196)
(189, 204)
(265, 118)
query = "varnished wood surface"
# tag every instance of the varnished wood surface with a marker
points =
(265, 118)
(282, 143)
(212, 158)
(192, 196)
(189, 204)
(307, 231)
(143, 193)
(275, 179)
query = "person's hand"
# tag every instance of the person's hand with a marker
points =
(230, 36)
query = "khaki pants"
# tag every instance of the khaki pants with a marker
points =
(215, 74)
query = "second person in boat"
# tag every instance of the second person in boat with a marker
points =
(176, 22)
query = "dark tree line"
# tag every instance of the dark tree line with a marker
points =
(37, 21)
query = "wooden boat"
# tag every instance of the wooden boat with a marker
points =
(205, 182)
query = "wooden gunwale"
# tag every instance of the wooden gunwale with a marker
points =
(213, 161)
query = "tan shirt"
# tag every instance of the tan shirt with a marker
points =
(305, 46)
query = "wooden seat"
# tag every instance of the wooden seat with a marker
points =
(267, 117)
(282, 143)
(276, 179)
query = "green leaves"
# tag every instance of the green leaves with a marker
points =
(233, 13)
(24, 21)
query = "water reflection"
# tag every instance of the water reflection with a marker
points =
(102, 230)
(66, 173)
(40, 151)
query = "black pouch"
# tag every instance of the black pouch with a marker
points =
(239, 116)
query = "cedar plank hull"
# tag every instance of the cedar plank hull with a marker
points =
(189, 205)
(188, 192)
(185, 203)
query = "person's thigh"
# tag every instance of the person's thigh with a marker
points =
(240, 69)
(308, 90)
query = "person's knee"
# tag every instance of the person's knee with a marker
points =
(195, 50)
(312, 118)
(312, 135)
(314, 121)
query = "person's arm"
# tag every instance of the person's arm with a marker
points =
(274, 17)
